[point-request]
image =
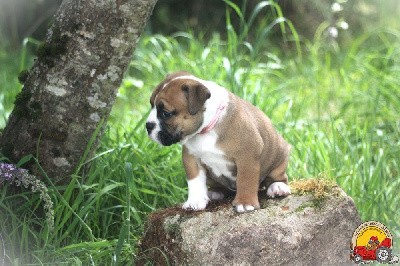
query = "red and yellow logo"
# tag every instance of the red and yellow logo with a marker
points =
(372, 241)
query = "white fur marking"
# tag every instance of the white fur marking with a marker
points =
(244, 208)
(278, 189)
(204, 148)
(153, 119)
(197, 198)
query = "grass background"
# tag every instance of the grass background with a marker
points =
(338, 105)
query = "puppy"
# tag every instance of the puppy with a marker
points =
(228, 144)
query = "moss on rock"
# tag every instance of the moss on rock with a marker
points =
(318, 187)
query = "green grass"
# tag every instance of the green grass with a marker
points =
(9, 62)
(339, 108)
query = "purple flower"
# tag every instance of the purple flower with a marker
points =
(20, 176)
(8, 171)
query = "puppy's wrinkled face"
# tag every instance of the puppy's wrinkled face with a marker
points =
(177, 109)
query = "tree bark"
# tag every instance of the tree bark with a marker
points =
(70, 90)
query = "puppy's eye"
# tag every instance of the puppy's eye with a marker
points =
(165, 114)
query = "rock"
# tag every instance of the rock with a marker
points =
(302, 229)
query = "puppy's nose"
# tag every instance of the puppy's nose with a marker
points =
(150, 126)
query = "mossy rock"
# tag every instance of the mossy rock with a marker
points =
(313, 226)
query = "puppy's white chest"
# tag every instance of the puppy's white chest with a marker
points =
(204, 148)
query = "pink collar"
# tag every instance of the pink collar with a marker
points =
(215, 119)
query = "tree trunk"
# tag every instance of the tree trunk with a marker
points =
(70, 90)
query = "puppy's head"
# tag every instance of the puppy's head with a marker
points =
(177, 108)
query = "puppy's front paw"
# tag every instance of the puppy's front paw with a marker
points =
(278, 189)
(241, 206)
(244, 208)
(196, 204)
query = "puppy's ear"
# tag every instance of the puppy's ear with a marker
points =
(196, 94)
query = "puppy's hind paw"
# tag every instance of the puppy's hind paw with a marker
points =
(278, 189)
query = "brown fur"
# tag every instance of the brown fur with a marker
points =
(245, 135)
(190, 163)
(258, 151)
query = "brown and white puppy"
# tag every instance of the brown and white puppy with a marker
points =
(228, 144)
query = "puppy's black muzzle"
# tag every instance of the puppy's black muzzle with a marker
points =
(163, 136)
(167, 139)
(150, 126)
